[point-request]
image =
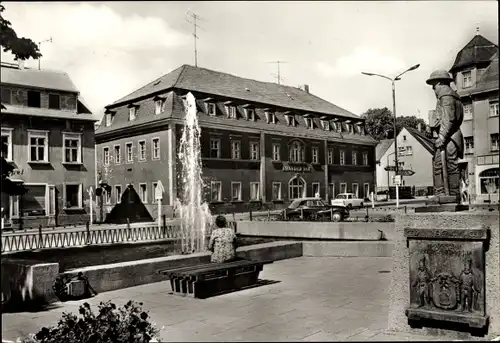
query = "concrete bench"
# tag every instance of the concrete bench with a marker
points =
(204, 280)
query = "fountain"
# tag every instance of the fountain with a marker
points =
(193, 212)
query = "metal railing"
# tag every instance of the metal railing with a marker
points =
(74, 238)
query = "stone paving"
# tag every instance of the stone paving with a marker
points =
(315, 299)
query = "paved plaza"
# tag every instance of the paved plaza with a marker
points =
(313, 299)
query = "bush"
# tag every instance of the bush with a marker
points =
(112, 325)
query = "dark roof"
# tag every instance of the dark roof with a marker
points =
(45, 79)
(45, 112)
(489, 78)
(478, 50)
(427, 143)
(382, 147)
(216, 83)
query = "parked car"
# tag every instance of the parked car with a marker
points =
(314, 209)
(348, 200)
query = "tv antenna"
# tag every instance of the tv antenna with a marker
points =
(278, 63)
(194, 17)
(39, 44)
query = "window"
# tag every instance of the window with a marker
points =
(73, 194)
(254, 191)
(155, 148)
(159, 106)
(331, 190)
(34, 201)
(142, 150)
(216, 191)
(154, 185)
(72, 147)
(143, 192)
(296, 152)
(489, 181)
(330, 156)
(342, 157)
(236, 150)
(326, 125)
(254, 151)
(270, 117)
(6, 96)
(132, 113)
(494, 108)
(469, 144)
(290, 120)
(309, 123)
(118, 194)
(404, 137)
(467, 79)
(354, 158)
(231, 111)
(315, 153)
(105, 156)
(214, 148)
(128, 151)
(409, 150)
(107, 196)
(211, 109)
(468, 114)
(118, 154)
(276, 190)
(38, 146)
(108, 118)
(52, 200)
(366, 191)
(250, 114)
(365, 158)
(33, 99)
(362, 130)
(343, 187)
(7, 144)
(296, 188)
(316, 189)
(494, 142)
(276, 152)
(54, 101)
(235, 191)
(355, 189)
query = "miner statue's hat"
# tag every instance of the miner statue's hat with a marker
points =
(439, 75)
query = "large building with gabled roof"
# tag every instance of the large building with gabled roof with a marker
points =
(48, 137)
(475, 71)
(260, 141)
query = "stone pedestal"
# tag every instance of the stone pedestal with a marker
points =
(446, 275)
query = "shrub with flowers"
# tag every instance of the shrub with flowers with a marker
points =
(111, 325)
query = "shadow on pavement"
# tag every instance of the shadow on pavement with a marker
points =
(259, 283)
(32, 307)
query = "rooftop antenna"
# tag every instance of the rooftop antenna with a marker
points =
(477, 29)
(39, 44)
(195, 18)
(278, 63)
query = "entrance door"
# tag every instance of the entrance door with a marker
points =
(366, 190)
(355, 190)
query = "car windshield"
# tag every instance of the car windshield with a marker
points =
(340, 196)
(295, 203)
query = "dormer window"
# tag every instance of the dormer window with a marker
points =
(132, 112)
(108, 118)
(250, 113)
(309, 122)
(211, 109)
(270, 117)
(159, 105)
(467, 79)
(326, 124)
(231, 111)
(290, 120)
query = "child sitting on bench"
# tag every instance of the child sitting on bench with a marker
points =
(222, 242)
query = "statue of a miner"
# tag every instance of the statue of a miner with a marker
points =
(444, 127)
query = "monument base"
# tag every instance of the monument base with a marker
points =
(443, 199)
(434, 256)
(451, 207)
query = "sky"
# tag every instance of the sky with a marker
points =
(109, 49)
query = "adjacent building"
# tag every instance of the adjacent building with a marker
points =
(48, 136)
(259, 141)
(475, 72)
(415, 155)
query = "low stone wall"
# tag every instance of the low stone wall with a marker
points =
(348, 249)
(317, 230)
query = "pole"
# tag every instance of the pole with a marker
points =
(195, 49)
(159, 213)
(397, 195)
(395, 140)
(373, 200)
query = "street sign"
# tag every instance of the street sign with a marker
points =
(406, 172)
(390, 168)
(159, 191)
(397, 180)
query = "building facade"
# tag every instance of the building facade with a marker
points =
(475, 72)
(415, 154)
(48, 136)
(259, 141)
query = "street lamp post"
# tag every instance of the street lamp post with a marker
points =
(397, 78)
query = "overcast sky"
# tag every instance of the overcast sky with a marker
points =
(112, 48)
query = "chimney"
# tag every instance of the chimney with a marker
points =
(20, 64)
(305, 88)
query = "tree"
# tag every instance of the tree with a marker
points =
(380, 123)
(22, 48)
